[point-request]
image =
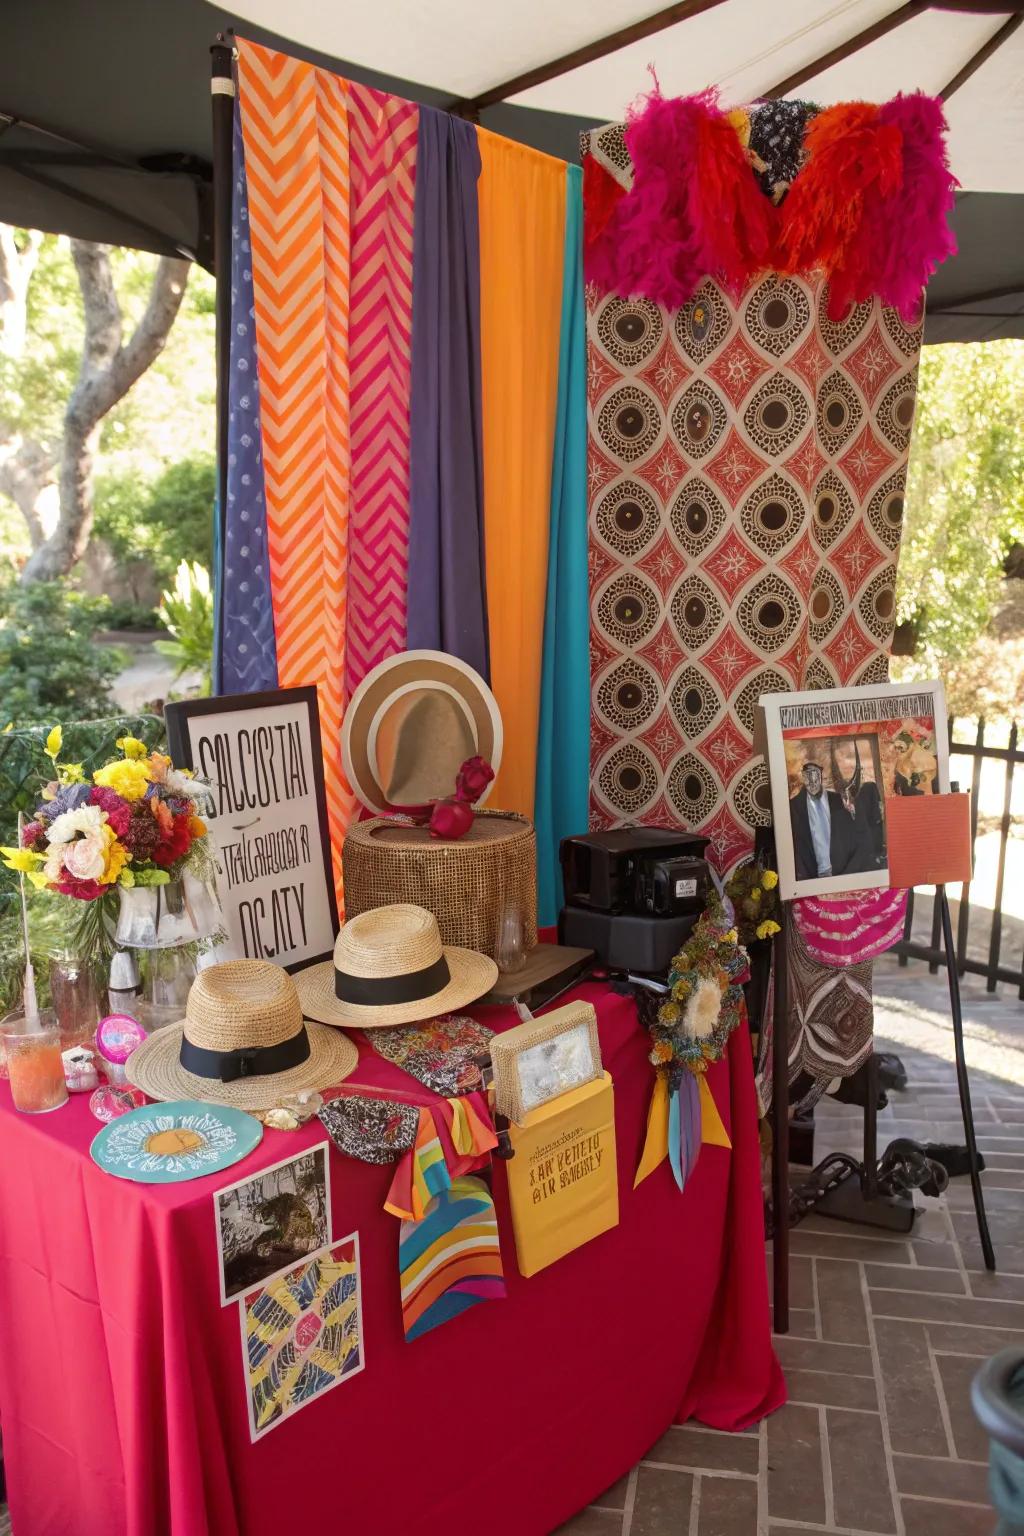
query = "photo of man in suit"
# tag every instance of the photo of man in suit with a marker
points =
(822, 828)
(838, 827)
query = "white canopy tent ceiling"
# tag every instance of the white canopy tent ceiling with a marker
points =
(589, 58)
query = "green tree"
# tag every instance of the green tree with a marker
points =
(965, 498)
(159, 522)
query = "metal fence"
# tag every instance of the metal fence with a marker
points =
(992, 967)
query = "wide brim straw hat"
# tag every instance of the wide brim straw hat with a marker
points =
(241, 1018)
(411, 724)
(391, 968)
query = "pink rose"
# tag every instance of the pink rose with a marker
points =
(451, 818)
(474, 776)
(32, 833)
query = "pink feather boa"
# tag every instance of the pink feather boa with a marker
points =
(695, 209)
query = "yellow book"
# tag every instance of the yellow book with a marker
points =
(563, 1183)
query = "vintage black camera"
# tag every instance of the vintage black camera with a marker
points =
(633, 894)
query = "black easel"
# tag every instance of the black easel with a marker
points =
(857, 1199)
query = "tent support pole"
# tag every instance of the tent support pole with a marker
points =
(222, 96)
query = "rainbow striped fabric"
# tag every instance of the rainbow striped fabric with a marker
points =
(450, 1260)
(329, 169)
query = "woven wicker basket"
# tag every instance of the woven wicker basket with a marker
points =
(466, 884)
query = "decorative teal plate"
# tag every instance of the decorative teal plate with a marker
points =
(169, 1143)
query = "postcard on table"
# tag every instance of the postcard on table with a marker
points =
(273, 1219)
(302, 1335)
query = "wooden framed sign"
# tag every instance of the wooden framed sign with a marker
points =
(262, 754)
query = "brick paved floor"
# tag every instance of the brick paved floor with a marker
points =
(886, 1333)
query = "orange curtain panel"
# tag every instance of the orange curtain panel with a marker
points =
(522, 231)
(296, 134)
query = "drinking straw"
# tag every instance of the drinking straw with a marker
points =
(30, 1003)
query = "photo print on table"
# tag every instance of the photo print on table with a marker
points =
(834, 757)
(269, 1222)
(302, 1335)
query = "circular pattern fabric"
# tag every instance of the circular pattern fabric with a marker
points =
(631, 330)
(629, 423)
(628, 608)
(777, 314)
(773, 514)
(777, 415)
(629, 777)
(769, 613)
(628, 695)
(698, 419)
(747, 465)
(702, 325)
(697, 516)
(696, 612)
(628, 518)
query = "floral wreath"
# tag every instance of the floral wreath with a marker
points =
(706, 997)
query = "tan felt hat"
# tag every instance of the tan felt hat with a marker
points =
(390, 967)
(243, 1042)
(411, 724)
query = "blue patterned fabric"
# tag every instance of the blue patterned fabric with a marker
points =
(563, 742)
(247, 651)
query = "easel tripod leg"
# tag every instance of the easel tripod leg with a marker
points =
(962, 1082)
(780, 1132)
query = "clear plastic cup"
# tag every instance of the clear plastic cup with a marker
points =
(34, 1065)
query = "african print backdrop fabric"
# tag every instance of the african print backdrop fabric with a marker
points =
(747, 458)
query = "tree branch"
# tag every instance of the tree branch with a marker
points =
(108, 371)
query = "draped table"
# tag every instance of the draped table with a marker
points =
(122, 1388)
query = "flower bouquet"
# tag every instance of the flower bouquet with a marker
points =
(705, 1003)
(753, 890)
(133, 827)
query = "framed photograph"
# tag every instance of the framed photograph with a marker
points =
(302, 1335)
(262, 753)
(542, 1058)
(834, 757)
(268, 1222)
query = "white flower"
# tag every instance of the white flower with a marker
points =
(53, 869)
(87, 818)
(178, 783)
(702, 1009)
(86, 858)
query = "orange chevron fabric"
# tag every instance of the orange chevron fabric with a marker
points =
(522, 230)
(295, 125)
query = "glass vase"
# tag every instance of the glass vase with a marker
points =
(74, 998)
(161, 916)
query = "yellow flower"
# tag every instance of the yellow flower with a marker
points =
(756, 893)
(670, 1013)
(24, 860)
(197, 826)
(126, 877)
(71, 773)
(769, 879)
(54, 742)
(132, 747)
(732, 937)
(767, 929)
(117, 857)
(127, 778)
(662, 1051)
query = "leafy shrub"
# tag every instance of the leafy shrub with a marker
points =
(161, 522)
(50, 667)
(187, 614)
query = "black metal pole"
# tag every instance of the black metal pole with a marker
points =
(222, 89)
(962, 1080)
(780, 1129)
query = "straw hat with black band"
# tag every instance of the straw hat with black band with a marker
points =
(243, 1042)
(390, 967)
(411, 724)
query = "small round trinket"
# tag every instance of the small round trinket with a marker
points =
(117, 1036)
(293, 1110)
(80, 1072)
(109, 1102)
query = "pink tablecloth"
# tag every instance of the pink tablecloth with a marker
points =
(121, 1379)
